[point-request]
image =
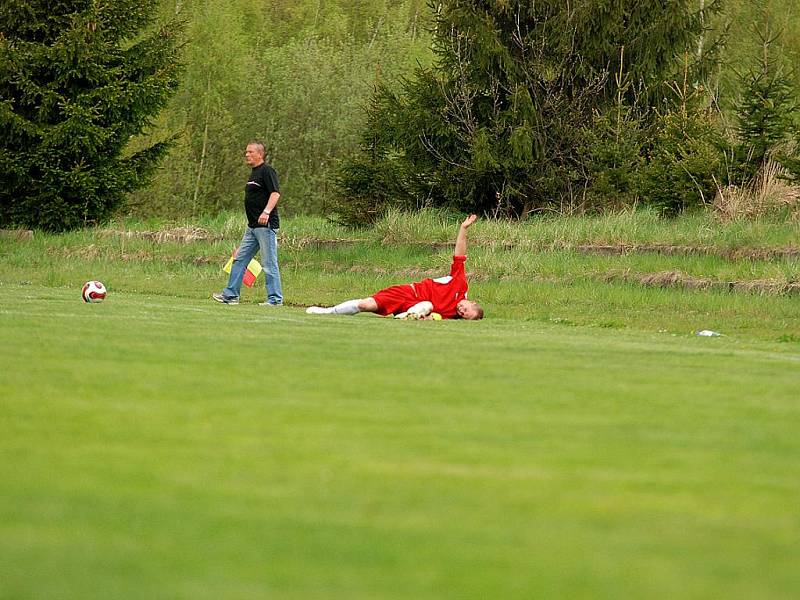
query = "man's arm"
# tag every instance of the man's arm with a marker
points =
(461, 238)
(273, 200)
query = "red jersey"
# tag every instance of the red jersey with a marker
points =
(443, 292)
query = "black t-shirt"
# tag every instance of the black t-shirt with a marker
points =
(262, 182)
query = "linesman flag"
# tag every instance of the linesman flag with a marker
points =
(250, 274)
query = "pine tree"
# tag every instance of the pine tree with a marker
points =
(767, 109)
(78, 80)
(495, 125)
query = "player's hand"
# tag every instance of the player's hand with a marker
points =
(469, 221)
(262, 219)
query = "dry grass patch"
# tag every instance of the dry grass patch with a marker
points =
(770, 193)
(183, 235)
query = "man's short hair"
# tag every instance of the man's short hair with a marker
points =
(259, 144)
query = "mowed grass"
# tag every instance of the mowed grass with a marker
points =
(161, 447)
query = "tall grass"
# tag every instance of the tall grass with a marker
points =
(769, 195)
(625, 227)
(770, 230)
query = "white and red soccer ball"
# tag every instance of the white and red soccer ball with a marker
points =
(93, 291)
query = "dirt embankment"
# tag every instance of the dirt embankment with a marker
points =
(675, 250)
(678, 279)
(188, 235)
(747, 253)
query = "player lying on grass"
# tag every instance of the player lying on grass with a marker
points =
(446, 296)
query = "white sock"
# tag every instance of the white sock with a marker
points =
(350, 307)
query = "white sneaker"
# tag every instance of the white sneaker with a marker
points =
(318, 310)
(269, 304)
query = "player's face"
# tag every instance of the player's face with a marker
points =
(253, 155)
(467, 310)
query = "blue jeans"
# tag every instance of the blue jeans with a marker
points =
(266, 240)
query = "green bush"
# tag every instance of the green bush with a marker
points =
(685, 163)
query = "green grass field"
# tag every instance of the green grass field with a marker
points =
(162, 447)
(580, 442)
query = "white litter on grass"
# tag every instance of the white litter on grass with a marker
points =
(707, 333)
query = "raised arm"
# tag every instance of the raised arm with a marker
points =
(461, 238)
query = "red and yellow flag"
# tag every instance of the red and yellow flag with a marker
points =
(251, 273)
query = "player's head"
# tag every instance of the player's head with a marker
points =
(469, 310)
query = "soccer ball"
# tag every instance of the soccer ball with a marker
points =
(93, 291)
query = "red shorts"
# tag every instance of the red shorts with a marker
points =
(395, 299)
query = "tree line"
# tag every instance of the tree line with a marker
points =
(532, 107)
(506, 108)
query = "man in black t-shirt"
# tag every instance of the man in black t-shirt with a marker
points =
(261, 195)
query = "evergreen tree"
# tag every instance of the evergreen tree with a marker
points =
(78, 80)
(767, 108)
(495, 124)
